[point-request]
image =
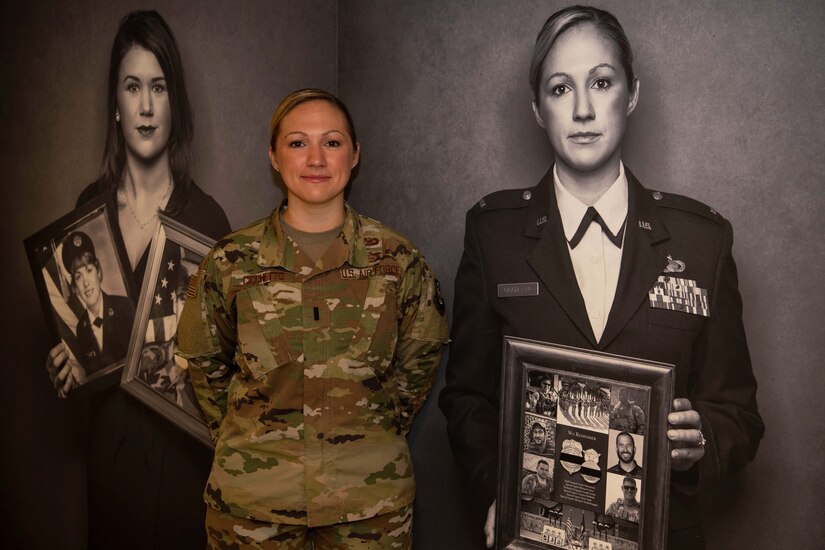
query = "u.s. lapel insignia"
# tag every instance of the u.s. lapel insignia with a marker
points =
(541, 220)
(645, 225)
(677, 294)
(674, 266)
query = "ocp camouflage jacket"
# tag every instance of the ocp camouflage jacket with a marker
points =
(310, 374)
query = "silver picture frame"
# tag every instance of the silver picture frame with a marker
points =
(151, 374)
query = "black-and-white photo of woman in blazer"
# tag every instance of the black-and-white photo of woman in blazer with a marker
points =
(619, 267)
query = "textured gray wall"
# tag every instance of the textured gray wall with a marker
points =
(731, 113)
(240, 59)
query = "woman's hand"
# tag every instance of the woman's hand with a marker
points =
(490, 526)
(686, 435)
(63, 372)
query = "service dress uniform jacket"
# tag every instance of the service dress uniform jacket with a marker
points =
(516, 236)
(117, 316)
(310, 373)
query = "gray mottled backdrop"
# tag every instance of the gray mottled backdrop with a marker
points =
(731, 113)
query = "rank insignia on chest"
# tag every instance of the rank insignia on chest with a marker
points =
(677, 294)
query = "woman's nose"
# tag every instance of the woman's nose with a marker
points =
(146, 108)
(583, 109)
(316, 156)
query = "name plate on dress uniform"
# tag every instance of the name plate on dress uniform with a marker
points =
(512, 290)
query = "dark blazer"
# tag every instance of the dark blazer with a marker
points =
(516, 236)
(118, 315)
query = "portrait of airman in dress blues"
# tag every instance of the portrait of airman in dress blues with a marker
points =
(104, 327)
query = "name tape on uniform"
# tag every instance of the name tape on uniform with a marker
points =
(512, 290)
(677, 294)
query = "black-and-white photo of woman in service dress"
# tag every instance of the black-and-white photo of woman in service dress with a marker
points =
(620, 268)
(144, 477)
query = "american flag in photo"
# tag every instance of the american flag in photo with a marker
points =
(163, 316)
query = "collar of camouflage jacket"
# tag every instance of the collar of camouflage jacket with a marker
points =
(350, 247)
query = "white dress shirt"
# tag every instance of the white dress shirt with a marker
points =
(596, 260)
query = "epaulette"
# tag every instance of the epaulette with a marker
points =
(686, 204)
(506, 198)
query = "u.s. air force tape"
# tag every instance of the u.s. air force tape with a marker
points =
(677, 294)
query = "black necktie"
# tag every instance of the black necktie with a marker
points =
(98, 322)
(592, 216)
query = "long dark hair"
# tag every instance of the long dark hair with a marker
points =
(148, 30)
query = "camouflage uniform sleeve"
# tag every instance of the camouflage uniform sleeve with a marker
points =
(206, 341)
(422, 331)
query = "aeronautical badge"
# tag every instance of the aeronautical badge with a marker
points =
(571, 456)
(77, 240)
(111, 312)
(591, 472)
(674, 266)
(677, 294)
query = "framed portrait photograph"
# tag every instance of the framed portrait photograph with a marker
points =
(583, 449)
(151, 375)
(85, 284)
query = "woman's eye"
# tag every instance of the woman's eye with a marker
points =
(601, 84)
(158, 88)
(333, 143)
(561, 89)
(132, 88)
(295, 144)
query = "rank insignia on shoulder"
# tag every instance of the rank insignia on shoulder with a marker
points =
(677, 294)
(674, 266)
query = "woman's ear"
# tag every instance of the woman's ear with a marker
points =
(538, 115)
(634, 97)
(272, 159)
(356, 155)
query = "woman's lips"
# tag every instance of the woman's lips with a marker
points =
(146, 131)
(315, 179)
(583, 138)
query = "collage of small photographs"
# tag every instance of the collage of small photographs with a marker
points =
(582, 461)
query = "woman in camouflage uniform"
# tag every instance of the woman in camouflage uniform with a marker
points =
(312, 339)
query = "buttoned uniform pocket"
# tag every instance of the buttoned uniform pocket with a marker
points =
(688, 323)
(262, 345)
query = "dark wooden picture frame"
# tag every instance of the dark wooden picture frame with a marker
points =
(86, 238)
(555, 490)
(151, 375)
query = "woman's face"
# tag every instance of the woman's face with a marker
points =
(143, 105)
(87, 280)
(584, 100)
(314, 153)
